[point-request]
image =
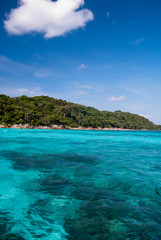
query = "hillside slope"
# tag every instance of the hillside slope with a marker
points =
(46, 111)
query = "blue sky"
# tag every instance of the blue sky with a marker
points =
(105, 54)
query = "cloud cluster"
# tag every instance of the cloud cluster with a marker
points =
(108, 14)
(138, 41)
(148, 116)
(22, 91)
(52, 18)
(82, 67)
(117, 99)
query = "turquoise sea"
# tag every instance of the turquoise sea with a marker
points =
(80, 185)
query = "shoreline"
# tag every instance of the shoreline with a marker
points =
(61, 127)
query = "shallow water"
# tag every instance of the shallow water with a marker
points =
(80, 185)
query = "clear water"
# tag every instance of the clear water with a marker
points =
(80, 185)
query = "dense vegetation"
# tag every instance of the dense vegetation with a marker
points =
(48, 111)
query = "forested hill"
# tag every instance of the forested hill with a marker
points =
(47, 111)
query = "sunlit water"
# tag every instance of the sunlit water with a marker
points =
(80, 185)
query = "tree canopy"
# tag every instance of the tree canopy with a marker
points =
(47, 111)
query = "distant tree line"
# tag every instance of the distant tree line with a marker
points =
(46, 111)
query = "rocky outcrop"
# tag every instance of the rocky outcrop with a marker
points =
(3, 126)
(61, 127)
(57, 127)
(21, 126)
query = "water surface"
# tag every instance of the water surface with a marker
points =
(80, 185)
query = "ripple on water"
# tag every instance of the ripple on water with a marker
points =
(80, 185)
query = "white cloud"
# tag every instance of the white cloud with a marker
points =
(8, 65)
(138, 41)
(38, 56)
(82, 67)
(52, 18)
(42, 74)
(47, 72)
(117, 99)
(79, 93)
(23, 91)
(108, 14)
(148, 116)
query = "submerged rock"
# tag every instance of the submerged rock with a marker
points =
(12, 236)
(53, 180)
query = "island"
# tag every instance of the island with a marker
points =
(43, 112)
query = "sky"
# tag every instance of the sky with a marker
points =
(100, 53)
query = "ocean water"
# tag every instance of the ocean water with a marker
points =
(80, 185)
